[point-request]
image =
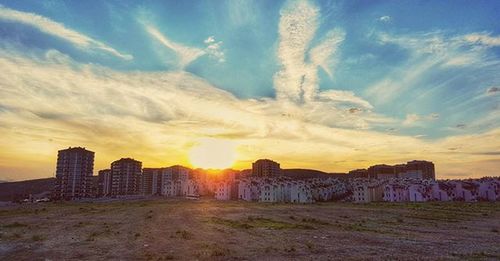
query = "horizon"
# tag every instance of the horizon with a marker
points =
(324, 85)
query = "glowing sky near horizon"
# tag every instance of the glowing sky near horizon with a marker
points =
(328, 85)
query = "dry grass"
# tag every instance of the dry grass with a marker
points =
(207, 229)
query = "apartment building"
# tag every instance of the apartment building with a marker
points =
(74, 172)
(126, 176)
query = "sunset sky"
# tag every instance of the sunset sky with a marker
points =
(328, 85)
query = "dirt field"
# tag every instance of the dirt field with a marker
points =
(214, 230)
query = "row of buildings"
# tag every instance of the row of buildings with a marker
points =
(416, 169)
(280, 189)
(423, 190)
(266, 182)
(74, 178)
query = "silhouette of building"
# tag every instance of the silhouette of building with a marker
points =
(74, 171)
(265, 168)
(358, 173)
(381, 171)
(426, 168)
(152, 181)
(104, 182)
(126, 176)
(416, 169)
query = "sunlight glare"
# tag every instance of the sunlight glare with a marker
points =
(212, 153)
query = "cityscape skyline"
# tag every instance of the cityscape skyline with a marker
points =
(327, 85)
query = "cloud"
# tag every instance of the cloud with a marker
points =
(492, 90)
(344, 97)
(185, 54)
(482, 39)
(297, 27)
(324, 53)
(51, 27)
(385, 18)
(157, 116)
(297, 81)
(214, 49)
(413, 119)
(428, 53)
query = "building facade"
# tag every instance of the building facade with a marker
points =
(126, 176)
(152, 181)
(266, 168)
(104, 183)
(74, 170)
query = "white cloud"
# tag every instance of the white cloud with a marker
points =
(51, 27)
(428, 52)
(209, 40)
(185, 54)
(483, 39)
(155, 116)
(413, 119)
(297, 81)
(322, 54)
(298, 24)
(214, 49)
(385, 19)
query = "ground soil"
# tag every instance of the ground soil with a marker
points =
(178, 229)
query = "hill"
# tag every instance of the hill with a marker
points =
(21, 189)
(310, 173)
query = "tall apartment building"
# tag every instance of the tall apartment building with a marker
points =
(381, 171)
(417, 169)
(265, 168)
(358, 173)
(152, 181)
(74, 170)
(104, 183)
(126, 176)
(425, 167)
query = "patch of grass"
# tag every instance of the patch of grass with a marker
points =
(476, 255)
(315, 221)
(212, 251)
(268, 223)
(15, 225)
(219, 251)
(184, 234)
(231, 223)
(37, 238)
(260, 222)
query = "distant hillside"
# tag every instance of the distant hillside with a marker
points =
(20, 189)
(310, 173)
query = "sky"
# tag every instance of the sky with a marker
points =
(328, 85)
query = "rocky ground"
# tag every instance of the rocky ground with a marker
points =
(206, 229)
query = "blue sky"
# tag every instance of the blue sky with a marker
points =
(425, 70)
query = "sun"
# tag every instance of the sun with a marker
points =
(212, 153)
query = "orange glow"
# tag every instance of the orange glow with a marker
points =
(213, 154)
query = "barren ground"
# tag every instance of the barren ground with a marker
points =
(172, 229)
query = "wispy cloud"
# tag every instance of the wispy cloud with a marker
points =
(413, 119)
(185, 54)
(214, 49)
(483, 39)
(428, 53)
(51, 27)
(385, 18)
(156, 117)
